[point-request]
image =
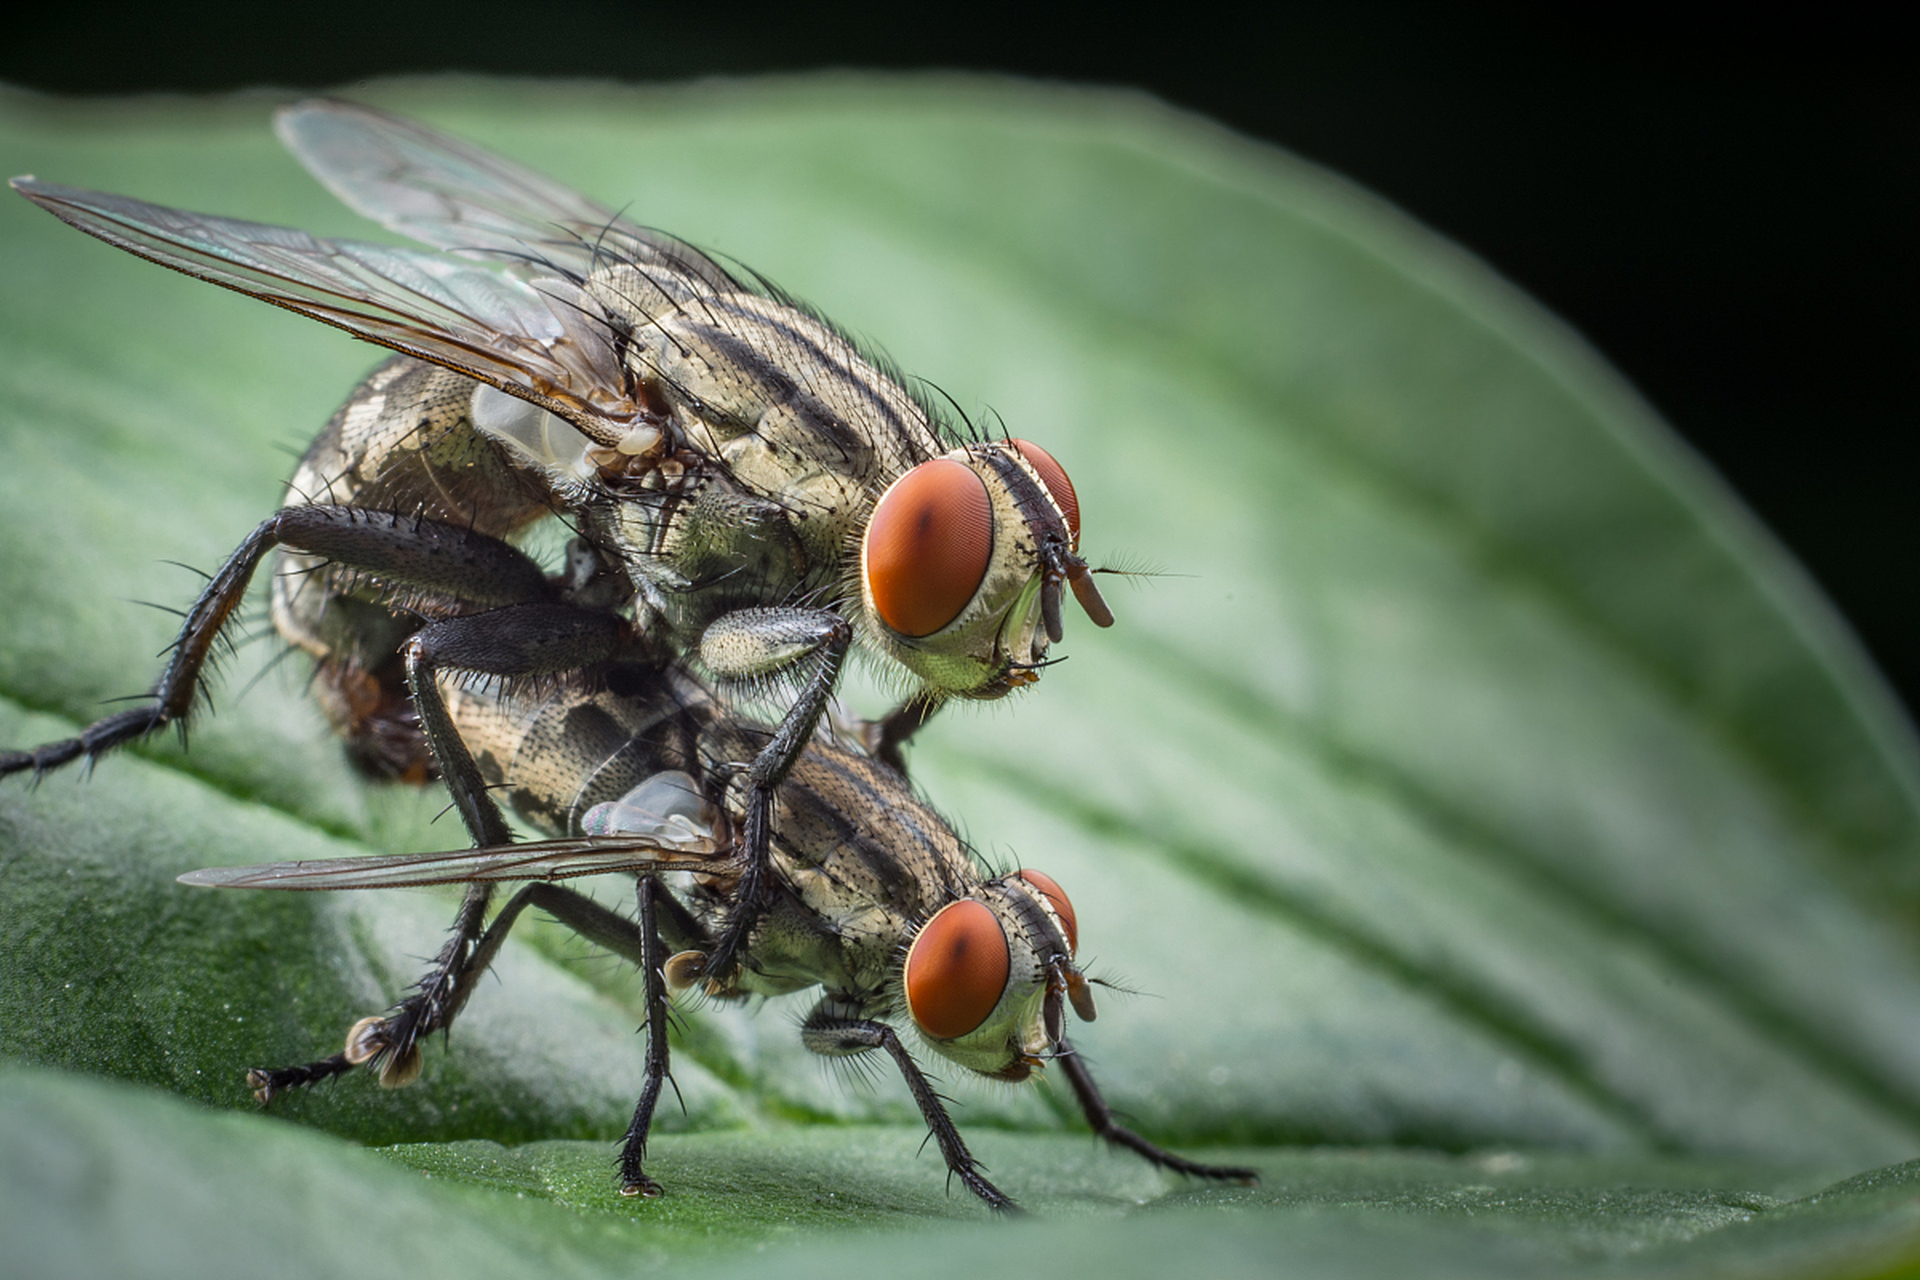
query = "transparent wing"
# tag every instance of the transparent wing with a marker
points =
(536, 860)
(456, 196)
(539, 337)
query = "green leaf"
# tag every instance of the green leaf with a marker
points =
(1477, 778)
(97, 1179)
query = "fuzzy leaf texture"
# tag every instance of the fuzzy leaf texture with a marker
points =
(1512, 854)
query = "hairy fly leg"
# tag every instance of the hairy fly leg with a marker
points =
(834, 1030)
(422, 563)
(756, 644)
(633, 1179)
(1100, 1116)
(391, 1043)
(883, 738)
(379, 1041)
(516, 642)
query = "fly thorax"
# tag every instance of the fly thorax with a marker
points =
(632, 296)
(739, 396)
(794, 945)
(809, 509)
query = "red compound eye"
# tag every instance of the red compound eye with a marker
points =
(1050, 890)
(957, 969)
(1054, 476)
(928, 545)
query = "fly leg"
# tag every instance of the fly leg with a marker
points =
(633, 1149)
(751, 644)
(831, 1029)
(519, 641)
(417, 559)
(884, 737)
(524, 640)
(391, 1043)
(641, 943)
(1100, 1116)
(421, 562)
(376, 1040)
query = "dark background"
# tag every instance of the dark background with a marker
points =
(1728, 212)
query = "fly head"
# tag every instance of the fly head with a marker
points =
(963, 563)
(986, 978)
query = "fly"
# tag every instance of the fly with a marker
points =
(753, 491)
(871, 897)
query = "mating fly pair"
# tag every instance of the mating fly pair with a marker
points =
(746, 490)
(871, 896)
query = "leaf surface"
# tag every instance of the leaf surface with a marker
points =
(1476, 777)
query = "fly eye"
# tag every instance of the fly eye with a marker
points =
(1056, 896)
(957, 969)
(1054, 476)
(928, 545)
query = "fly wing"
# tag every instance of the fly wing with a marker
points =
(467, 200)
(536, 860)
(541, 338)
